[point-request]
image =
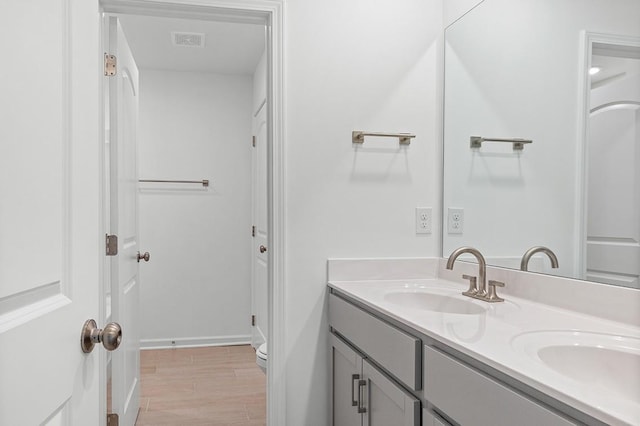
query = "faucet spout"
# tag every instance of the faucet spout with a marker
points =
(482, 267)
(524, 264)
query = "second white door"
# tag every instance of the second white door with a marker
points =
(125, 283)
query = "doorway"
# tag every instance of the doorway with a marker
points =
(172, 148)
(201, 84)
(611, 241)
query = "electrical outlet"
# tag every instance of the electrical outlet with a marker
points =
(455, 221)
(423, 220)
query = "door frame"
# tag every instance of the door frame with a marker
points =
(588, 40)
(271, 14)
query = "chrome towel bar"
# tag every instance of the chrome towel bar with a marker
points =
(203, 182)
(404, 138)
(518, 144)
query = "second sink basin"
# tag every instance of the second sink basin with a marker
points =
(592, 359)
(431, 301)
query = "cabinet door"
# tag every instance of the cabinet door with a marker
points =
(385, 402)
(431, 419)
(439, 422)
(346, 368)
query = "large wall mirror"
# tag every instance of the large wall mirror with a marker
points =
(542, 136)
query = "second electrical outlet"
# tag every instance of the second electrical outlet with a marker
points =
(455, 222)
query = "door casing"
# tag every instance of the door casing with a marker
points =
(270, 14)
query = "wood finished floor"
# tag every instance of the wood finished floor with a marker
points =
(202, 386)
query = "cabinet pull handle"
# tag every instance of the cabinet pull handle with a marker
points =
(354, 377)
(361, 385)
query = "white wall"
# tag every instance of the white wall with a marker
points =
(352, 66)
(454, 9)
(196, 288)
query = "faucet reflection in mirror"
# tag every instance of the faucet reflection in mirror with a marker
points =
(524, 264)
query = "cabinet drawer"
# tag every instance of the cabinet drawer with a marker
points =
(471, 398)
(397, 351)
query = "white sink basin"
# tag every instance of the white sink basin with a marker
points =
(593, 359)
(430, 301)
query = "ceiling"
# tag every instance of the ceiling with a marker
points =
(614, 64)
(229, 48)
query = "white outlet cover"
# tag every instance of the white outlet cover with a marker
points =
(424, 220)
(455, 220)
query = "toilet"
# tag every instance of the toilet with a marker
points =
(261, 357)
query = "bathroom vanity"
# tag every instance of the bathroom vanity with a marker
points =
(407, 348)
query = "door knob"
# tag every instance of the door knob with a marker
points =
(110, 336)
(144, 256)
(263, 249)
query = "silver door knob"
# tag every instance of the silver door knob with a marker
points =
(110, 336)
(144, 256)
(263, 249)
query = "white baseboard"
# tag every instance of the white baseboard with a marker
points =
(194, 342)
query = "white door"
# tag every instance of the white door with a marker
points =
(51, 245)
(613, 230)
(260, 251)
(613, 224)
(125, 285)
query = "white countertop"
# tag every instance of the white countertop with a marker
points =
(498, 338)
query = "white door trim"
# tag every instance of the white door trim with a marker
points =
(582, 152)
(270, 13)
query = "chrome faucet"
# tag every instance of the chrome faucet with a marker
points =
(524, 264)
(477, 288)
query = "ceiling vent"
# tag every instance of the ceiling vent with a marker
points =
(187, 39)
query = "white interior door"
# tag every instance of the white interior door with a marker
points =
(613, 224)
(260, 251)
(50, 232)
(613, 231)
(125, 285)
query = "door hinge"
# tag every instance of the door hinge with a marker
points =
(111, 245)
(253, 141)
(110, 65)
(253, 231)
(113, 419)
(253, 320)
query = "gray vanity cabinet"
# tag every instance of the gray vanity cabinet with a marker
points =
(383, 373)
(470, 397)
(346, 375)
(429, 418)
(363, 395)
(385, 402)
(396, 351)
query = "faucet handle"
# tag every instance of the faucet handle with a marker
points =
(473, 285)
(492, 296)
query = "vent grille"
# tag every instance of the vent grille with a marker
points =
(187, 39)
